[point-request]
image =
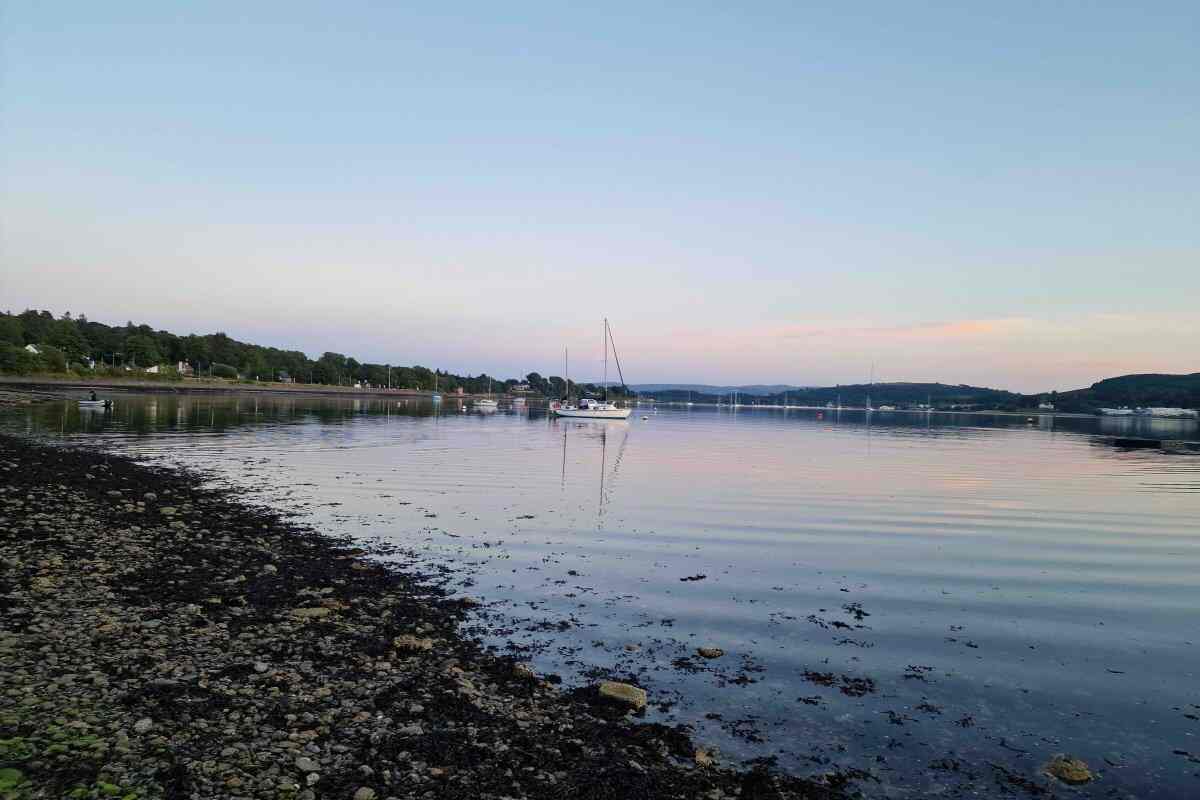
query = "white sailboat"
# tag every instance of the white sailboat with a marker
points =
(489, 402)
(589, 408)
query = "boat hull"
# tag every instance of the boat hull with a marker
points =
(594, 413)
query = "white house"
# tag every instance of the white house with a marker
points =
(152, 370)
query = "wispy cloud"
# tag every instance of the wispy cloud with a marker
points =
(951, 330)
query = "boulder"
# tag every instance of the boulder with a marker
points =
(709, 652)
(623, 693)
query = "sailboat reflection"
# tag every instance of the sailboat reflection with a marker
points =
(608, 477)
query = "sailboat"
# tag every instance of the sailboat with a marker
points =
(487, 403)
(589, 408)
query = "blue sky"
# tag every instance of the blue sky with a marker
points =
(1002, 194)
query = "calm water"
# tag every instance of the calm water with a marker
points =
(1010, 590)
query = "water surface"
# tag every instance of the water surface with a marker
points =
(941, 601)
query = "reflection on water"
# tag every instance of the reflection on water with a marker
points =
(892, 593)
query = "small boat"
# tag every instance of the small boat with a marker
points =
(587, 407)
(95, 403)
(489, 402)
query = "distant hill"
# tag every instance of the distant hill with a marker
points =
(1182, 391)
(899, 394)
(758, 389)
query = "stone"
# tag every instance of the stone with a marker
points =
(143, 725)
(709, 652)
(260, 667)
(306, 764)
(412, 643)
(624, 694)
(1069, 769)
(364, 793)
(167, 511)
(524, 672)
(704, 758)
(150, 497)
(311, 613)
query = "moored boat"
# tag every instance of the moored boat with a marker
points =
(588, 408)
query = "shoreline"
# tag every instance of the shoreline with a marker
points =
(167, 639)
(217, 387)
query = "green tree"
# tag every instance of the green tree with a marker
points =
(141, 350)
(11, 330)
(66, 337)
(52, 359)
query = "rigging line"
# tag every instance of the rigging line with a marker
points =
(616, 357)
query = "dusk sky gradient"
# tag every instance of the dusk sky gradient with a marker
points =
(1005, 194)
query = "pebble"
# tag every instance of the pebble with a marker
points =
(709, 652)
(364, 793)
(306, 764)
(412, 643)
(1069, 769)
(143, 725)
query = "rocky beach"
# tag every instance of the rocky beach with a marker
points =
(162, 638)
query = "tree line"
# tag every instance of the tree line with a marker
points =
(75, 344)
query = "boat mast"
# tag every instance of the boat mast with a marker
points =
(606, 359)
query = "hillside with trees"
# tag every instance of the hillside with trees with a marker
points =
(75, 344)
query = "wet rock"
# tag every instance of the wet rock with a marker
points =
(412, 644)
(306, 764)
(623, 693)
(709, 652)
(168, 511)
(316, 612)
(1069, 769)
(364, 793)
(143, 725)
(704, 758)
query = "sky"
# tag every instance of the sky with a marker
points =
(1001, 194)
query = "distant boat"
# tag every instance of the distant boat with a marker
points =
(95, 403)
(1169, 413)
(1117, 412)
(488, 402)
(589, 408)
